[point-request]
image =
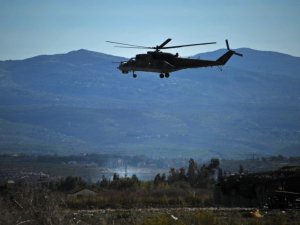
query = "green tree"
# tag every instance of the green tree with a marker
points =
(241, 169)
(104, 182)
(192, 172)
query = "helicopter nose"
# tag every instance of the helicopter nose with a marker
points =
(120, 66)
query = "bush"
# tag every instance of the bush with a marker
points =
(204, 218)
(162, 220)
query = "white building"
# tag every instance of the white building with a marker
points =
(85, 192)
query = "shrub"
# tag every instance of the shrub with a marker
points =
(162, 220)
(204, 218)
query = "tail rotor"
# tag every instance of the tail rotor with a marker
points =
(228, 48)
(227, 45)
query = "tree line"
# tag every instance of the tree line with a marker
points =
(193, 176)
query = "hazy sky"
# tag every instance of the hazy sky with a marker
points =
(34, 27)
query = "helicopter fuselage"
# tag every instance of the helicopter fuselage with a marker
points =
(165, 63)
(161, 62)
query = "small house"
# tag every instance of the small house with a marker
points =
(84, 192)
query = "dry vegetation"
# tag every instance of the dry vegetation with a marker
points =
(33, 205)
(183, 197)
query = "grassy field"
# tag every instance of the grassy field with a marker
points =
(182, 216)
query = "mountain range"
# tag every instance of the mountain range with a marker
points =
(79, 102)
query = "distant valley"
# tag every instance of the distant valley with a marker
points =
(79, 102)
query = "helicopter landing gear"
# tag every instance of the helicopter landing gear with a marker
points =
(166, 75)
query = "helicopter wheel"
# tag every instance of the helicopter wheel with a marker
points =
(161, 75)
(167, 75)
(134, 75)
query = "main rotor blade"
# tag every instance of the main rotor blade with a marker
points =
(138, 47)
(119, 43)
(164, 43)
(180, 46)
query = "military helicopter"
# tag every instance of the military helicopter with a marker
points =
(165, 63)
